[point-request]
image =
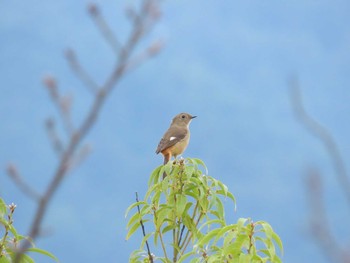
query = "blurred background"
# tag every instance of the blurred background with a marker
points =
(228, 62)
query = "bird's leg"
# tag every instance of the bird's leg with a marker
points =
(175, 160)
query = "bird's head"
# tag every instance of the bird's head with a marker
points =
(183, 119)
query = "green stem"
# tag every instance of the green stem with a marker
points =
(163, 246)
(160, 235)
(188, 231)
(174, 242)
(251, 238)
(174, 216)
(189, 239)
(7, 226)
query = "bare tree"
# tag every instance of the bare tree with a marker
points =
(319, 220)
(72, 151)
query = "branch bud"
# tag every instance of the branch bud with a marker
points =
(155, 47)
(93, 9)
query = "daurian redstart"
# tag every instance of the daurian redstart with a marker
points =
(176, 138)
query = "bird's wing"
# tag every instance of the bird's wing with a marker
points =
(172, 136)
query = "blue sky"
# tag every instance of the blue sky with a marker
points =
(227, 62)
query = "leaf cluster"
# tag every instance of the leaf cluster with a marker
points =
(185, 211)
(11, 239)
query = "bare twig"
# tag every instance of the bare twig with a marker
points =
(105, 30)
(69, 153)
(151, 51)
(144, 231)
(323, 135)
(186, 242)
(80, 156)
(76, 67)
(182, 231)
(319, 220)
(13, 173)
(63, 104)
(54, 138)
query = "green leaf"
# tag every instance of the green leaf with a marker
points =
(215, 258)
(266, 252)
(4, 222)
(241, 222)
(185, 256)
(162, 214)
(206, 238)
(229, 195)
(168, 228)
(155, 238)
(4, 259)
(211, 222)
(132, 230)
(181, 202)
(134, 205)
(257, 258)
(154, 178)
(220, 208)
(228, 237)
(224, 230)
(146, 209)
(189, 170)
(155, 199)
(240, 242)
(152, 189)
(3, 208)
(204, 203)
(188, 206)
(133, 219)
(136, 255)
(13, 231)
(145, 238)
(195, 260)
(200, 162)
(166, 169)
(278, 241)
(244, 258)
(188, 222)
(43, 252)
(266, 228)
(26, 259)
(223, 187)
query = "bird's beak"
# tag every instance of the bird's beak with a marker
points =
(192, 117)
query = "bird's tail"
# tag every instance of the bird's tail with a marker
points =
(166, 158)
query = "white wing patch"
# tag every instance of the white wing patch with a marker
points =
(172, 138)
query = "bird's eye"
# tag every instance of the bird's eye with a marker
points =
(183, 116)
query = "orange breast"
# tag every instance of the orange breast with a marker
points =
(177, 148)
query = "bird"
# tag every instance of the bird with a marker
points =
(176, 138)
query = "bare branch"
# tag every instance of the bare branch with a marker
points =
(150, 257)
(319, 220)
(151, 51)
(69, 153)
(323, 135)
(105, 29)
(54, 138)
(13, 173)
(63, 104)
(76, 67)
(146, 14)
(80, 156)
